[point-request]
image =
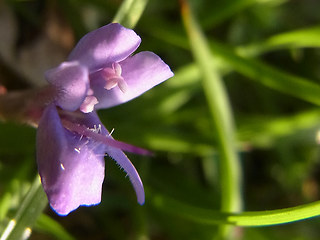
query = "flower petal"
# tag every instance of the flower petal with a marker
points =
(108, 44)
(71, 167)
(72, 82)
(141, 72)
(93, 122)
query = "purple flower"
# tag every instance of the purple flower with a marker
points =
(71, 140)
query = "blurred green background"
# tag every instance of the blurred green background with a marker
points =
(267, 54)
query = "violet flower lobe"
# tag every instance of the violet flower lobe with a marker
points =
(71, 140)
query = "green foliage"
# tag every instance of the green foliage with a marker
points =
(239, 122)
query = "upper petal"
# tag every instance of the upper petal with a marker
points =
(110, 43)
(71, 80)
(141, 72)
(71, 167)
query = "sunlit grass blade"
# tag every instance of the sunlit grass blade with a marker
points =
(4, 205)
(245, 219)
(302, 38)
(20, 227)
(172, 143)
(269, 76)
(13, 189)
(185, 76)
(225, 9)
(259, 71)
(220, 110)
(263, 131)
(130, 12)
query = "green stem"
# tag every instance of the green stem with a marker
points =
(222, 118)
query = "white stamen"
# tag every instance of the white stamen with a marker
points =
(122, 85)
(77, 150)
(111, 83)
(113, 77)
(62, 167)
(99, 129)
(88, 104)
(111, 132)
(117, 68)
(96, 129)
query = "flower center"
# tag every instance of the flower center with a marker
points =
(89, 102)
(113, 77)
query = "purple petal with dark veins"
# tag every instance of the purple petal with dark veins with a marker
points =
(102, 47)
(72, 83)
(141, 72)
(71, 167)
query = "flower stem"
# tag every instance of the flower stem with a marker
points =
(25, 106)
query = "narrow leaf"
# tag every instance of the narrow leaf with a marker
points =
(20, 227)
(245, 219)
(302, 38)
(130, 12)
(222, 119)
(220, 110)
(258, 71)
(269, 76)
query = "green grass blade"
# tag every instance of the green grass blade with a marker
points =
(258, 71)
(263, 131)
(130, 12)
(245, 219)
(224, 10)
(221, 115)
(220, 111)
(302, 38)
(269, 76)
(32, 206)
